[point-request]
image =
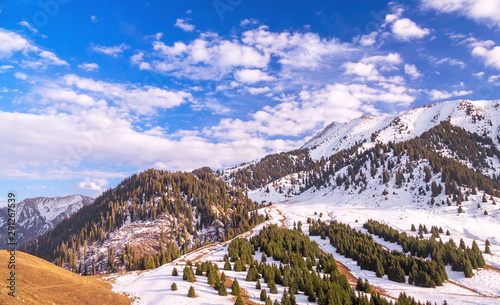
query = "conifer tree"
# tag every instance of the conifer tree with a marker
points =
(487, 247)
(235, 288)
(263, 295)
(173, 286)
(258, 286)
(191, 292)
(222, 290)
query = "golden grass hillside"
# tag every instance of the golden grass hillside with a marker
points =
(40, 282)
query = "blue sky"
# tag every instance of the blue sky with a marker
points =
(92, 92)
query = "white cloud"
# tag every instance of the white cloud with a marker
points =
(451, 61)
(488, 52)
(11, 42)
(89, 67)
(251, 76)
(412, 71)
(478, 74)
(184, 24)
(493, 78)
(28, 26)
(5, 68)
(258, 90)
(52, 59)
(311, 109)
(247, 22)
(442, 94)
(208, 57)
(92, 184)
(405, 29)
(111, 51)
(93, 18)
(143, 100)
(485, 11)
(368, 68)
(21, 75)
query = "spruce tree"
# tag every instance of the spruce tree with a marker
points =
(235, 288)
(222, 290)
(239, 301)
(174, 286)
(257, 286)
(263, 295)
(191, 292)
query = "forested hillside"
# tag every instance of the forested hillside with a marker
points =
(186, 203)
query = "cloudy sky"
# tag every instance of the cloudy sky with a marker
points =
(92, 92)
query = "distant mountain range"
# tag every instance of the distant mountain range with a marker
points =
(35, 216)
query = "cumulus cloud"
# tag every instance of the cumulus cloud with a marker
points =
(406, 30)
(140, 99)
(92, 184)
(183, 24)
(484, 11)
(251, 76)
(114, 51)
(211, 57)
(11, 42)
(33, 56)
(487, 51)
(311, 109)
(367, 69)
(442, 94)
(21, 75)
(89, 67)
(412, 71)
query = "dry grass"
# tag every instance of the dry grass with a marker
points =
(40, 282)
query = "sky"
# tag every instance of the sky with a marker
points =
(92, 92)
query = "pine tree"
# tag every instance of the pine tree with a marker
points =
(268, 301)
(272, 286)
(191, 292)
(257, 286)
(174, 286)
(239, 301)
(235, 288)
(263, 295)
(293, 301)
(222, 290)
(227, 264)
(360, 286)
(468, 268)
(487, 247)
(175, 272)
(285, 299)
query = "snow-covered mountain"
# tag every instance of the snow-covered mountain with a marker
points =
(481, 117)
(35, 216)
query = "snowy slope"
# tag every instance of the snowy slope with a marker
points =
(36, 216)
(400, 207)
(482, 117)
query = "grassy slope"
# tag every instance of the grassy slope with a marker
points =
(40, 282)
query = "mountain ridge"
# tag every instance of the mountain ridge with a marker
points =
(35, 216)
